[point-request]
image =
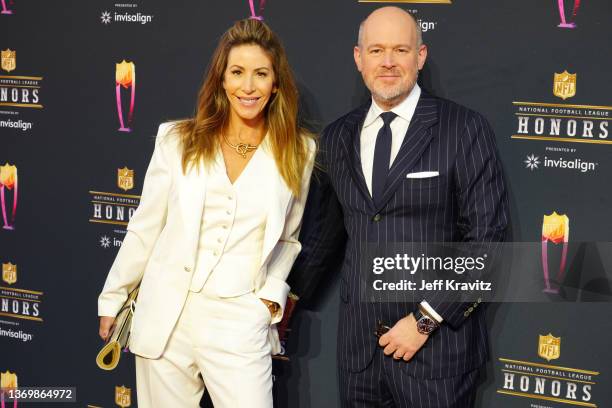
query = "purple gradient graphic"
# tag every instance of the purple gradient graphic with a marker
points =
(9, 225)
(122, 127)
(564, 23)
(560, 274)
(2, 405)
(259, 14)
(5, 10)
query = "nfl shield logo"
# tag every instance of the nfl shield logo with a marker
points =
(9, 60)
(565, 85)
(9, 273)
(8, 381)
(125, 179)
(549, 347)
(123, 396)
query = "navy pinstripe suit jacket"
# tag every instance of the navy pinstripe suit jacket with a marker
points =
(466, 202)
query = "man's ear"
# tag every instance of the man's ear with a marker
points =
(357, 56)
(422, 56)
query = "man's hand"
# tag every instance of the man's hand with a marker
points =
(403, 340)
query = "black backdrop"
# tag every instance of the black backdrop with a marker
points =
(487, 55)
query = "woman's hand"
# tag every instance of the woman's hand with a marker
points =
(106, 326)
(273, 307)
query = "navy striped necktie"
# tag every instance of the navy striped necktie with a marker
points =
(382, 157)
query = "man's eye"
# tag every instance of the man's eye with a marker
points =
(375, 51)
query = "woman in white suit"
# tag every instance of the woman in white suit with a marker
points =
(215, 235)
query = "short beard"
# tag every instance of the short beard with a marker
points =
(389, 95)
(392, 96)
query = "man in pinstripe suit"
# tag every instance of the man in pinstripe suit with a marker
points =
(406, 167)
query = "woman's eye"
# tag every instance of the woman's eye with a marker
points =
(236, 72)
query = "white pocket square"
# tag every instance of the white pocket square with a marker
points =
(422, 174)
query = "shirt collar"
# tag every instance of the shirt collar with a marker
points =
(405, 109)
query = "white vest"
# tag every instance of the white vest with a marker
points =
(232, 228)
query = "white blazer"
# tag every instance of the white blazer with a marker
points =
(160, 246)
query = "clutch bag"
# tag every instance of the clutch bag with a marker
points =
(108, 357)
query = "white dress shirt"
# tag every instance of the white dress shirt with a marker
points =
(371, 125)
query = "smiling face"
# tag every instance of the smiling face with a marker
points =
(249, 82)
(389, 56)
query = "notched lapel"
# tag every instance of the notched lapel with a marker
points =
(352, 145)
(418, 136)
(192, 192)
(279, 199)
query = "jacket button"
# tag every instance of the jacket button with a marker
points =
(376, 218)
(470, 309)
(466, 313)
(187, 269)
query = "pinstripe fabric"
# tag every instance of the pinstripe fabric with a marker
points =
(381, 385)
(466, 202)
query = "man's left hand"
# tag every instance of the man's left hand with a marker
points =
(403, 340)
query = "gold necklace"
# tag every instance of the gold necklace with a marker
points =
(241, 148)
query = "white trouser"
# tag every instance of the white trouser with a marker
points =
(218, 343)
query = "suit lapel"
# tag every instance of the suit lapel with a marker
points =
(192, 192)
(278, 201)
(417, 138)
(352, 149)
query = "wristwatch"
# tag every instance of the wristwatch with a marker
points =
(425, 323)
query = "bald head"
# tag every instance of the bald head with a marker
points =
(389, 55)
(393, 16)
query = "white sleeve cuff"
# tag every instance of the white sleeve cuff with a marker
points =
(275, 290)
(431, 311)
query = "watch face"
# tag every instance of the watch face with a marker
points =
(425, 325)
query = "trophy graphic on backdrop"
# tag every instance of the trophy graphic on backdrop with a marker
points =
(564, 23)
(555, 228)
(8, 181)
(8, 383)
(259, 14)
(5, 10)
(125, 76)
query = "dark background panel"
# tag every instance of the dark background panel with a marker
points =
(483, 54)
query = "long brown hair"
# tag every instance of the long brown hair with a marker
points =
(200, 134)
